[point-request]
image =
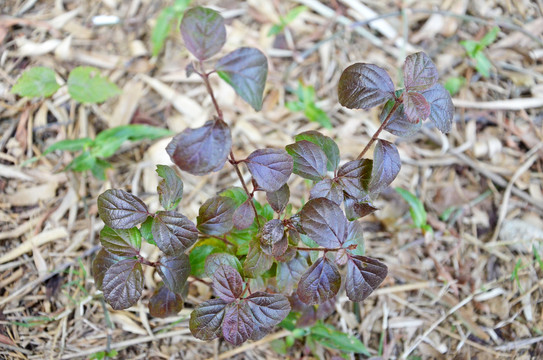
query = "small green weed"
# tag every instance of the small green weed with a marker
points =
(475, 50)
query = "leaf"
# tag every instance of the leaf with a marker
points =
(489, 37)
(441, 107)
(341, 257)
(320, 282)
(328, 189)
(146, 230)
(227, 283)
(244, 215)
(416, 107)
(69, 145)
(123, 284)
(327, 144)
(324, 222)
(174, 271)
(398, 124)
(270, 168)
(289, 274)
(213, 262)
(82, 162)
(216, 216)
(173, 233)
(355, 209)
(245, 69)
(453, 85)
(207, 318)
(472, 47)
(165, 303)
(201, 251)
(482, 64)
(416, 207)
(133, 132)
(35, 82)
(419, 72)
(257, 262)
(364, 275)
(121, 242)
(355, 177)
(272, 233)
(202, 150)
(268, 309)
(386, 166)
(121, 210)
(161, 30)
(238, 324)
(355, 236)
(309, 160)
(235, 193)
(327, 336)
(170, 188)
(278, 200)
(363, 86)
(86, 85)
(101, 264)
(279, 248)
(203, 31)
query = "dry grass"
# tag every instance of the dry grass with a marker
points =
(472, 289)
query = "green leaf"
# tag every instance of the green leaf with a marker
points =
(293, 14)
(36, 82)
(418, 214)
(454, 84)
(327, 144)
(472, 47)
(86, 85)
(315, 114)
(328, 336)
(99, 169)
(83, 162)
(170, 188)
(489, 37)
(483, 65)
(132, 133)
(146, 231)
(235, 193)
(276, 29)
(162, 29)
(201, 251)
(69, 145)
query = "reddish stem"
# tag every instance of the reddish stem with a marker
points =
(383, 125)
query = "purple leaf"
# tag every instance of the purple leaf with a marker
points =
(216, 216)
(328, 189)
(355, 209)
(272, 233)
(419, 72)
(363, 86)
(259, 332)
(309, 160)
(386, 166)
(341, 257)
(121, 210)
(270, 168)
(257, 262)
(288, 254)
(278, 200)
(238, 324)
(416, 107)
(227, 283)
(327, 144)
(123, 284)
(174, 271)
(320, 282)
(122, 242)
(207, 318)
(165, 303)
(173, 232)
(364, 274)
(170, 188)
(268, 309)
(244, 215)
(202, 150)
(326, 309)
(324, 222)
(203, 32)
(280, 247)
(245, 69)
(307, 318)
(398, 124)
(355, 177)
(441, 107)
(101, 264)
(213, 262)
(289, 273)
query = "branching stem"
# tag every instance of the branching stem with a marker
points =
(383, 125)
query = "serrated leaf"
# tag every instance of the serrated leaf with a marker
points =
(101, 264)
(227, 283)
(309, 160)
(278, 200)
(173, 233)
(355, 236)
(327, 336)
(203, 31)
(386, 166)
(257, 262)
(416, 107)
(207, 318)
(329, 189)
(123, 284)
(213, 262)
(170, 188)
(398, 124)
(238, 324)
(327, 144)
(174, 271)
(268, 309)
(364, 275)
(216, 216)
(355, 209)
(86, 85)
(441, 107)
(320, 282)
(363, 86)
(120, 241)
(201, 251)
(165, 302)
(324, 222)
(419, 72)
(35, 82)
(271, 168)
(246, 70)
(355, 177)
(121, 210)
(272, 233)
(202, 150)
(289, 274)
(244, 215)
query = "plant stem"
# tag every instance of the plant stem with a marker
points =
(383, 125)
(317, 249)
(144, 261)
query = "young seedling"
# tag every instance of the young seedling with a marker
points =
(306, 102)
(260, 258)
(475, 50)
